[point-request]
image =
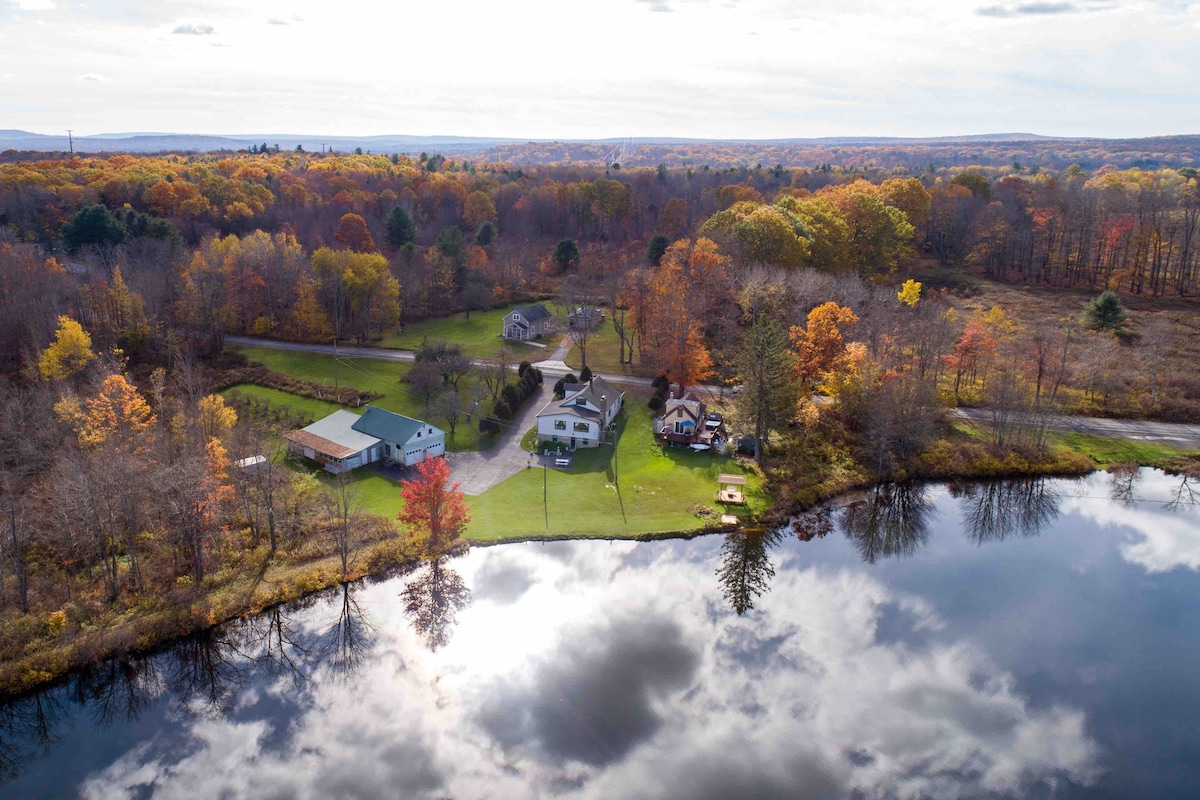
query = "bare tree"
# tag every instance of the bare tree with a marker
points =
(450, 407)
(425, 378)
(343, 511)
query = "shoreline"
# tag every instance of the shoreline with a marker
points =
(151, 633)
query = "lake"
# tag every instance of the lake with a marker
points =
(1018, 639)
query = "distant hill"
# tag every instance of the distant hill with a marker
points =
(992, 149)
(186, 142)
(149, 142)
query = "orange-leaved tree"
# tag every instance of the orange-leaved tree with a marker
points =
(352, 234)
(820, 346)
(434, 512)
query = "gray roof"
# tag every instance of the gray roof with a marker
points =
(533, 313)
(387, 425)
(591, 391)
(341, 427)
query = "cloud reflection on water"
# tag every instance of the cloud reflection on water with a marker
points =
(574, 674)
(1156, 510)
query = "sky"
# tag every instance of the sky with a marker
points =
(549, 69)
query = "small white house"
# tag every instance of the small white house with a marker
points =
(344, 440)
(582, 416)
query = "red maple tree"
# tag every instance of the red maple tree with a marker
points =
(434, 512)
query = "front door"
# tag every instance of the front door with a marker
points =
(572, 442)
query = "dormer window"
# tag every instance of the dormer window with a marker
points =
(579, 401)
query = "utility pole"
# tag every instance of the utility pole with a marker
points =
(70, 141)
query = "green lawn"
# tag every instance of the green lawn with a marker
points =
(645, 488)
(363, 373)
(656, 488)
(479, 335)
(1106, 452)
(604, 354)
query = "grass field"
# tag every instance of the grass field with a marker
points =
(643, 489)
(1107, 452)
(479, 335)
(363, 373)
(657, 488)
(604, 354)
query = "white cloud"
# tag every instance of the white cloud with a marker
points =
(34, 5)
(93, 77)
(618, 683)
(194, 29)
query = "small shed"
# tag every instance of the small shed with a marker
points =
(729, 489)
(251, 464)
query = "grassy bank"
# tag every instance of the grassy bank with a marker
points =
(57, 642)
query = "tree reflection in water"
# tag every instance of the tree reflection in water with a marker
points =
(1188, 490)
(813, 524)
(277, 644)
(119, 689)
(207, 669)
(433, 599)
(892, 521)
(994, 511)
(746, 570)
(345, 645)
(1123, 480)
(28, 728)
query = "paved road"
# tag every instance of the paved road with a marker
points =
(553, 367)
(1187, 436)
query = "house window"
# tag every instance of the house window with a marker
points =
(579, 401)
(582, 426)
(560, 425)
(679, 413)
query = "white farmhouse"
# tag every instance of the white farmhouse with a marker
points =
(581, 417)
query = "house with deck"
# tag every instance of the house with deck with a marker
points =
(582, 416)
(528, 322)
(687, 422)
(344, 440)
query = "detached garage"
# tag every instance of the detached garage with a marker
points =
(405, 440)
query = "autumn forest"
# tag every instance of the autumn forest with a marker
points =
(852, 304)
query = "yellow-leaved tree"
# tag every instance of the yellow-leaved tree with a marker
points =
(910, 293)
(69, 353)
(215, 418)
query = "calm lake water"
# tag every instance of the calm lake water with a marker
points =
(1025, 639)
